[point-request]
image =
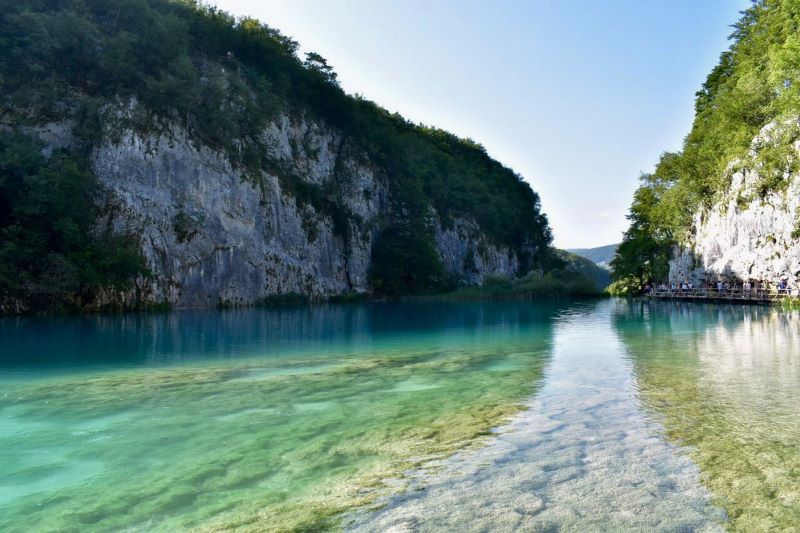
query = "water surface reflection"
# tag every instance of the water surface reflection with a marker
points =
(583, 456)
(726, 380)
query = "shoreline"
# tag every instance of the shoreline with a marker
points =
(294, 301)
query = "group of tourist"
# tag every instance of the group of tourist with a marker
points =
(686, 285)
(720, 286)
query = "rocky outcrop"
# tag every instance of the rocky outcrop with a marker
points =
(467, 253)
(212, 234)
(749, 234)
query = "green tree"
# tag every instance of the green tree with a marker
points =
(49, 256)
(404, 261)
(643, 254)
(319, 65)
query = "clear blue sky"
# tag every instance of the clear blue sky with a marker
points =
(578, 96)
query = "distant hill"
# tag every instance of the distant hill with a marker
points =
(601, 256)
(599, 276)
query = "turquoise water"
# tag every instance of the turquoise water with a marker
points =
(429, 417)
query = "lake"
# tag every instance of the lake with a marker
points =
(414, 416)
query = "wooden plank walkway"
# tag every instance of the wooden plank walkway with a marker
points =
(738, 295)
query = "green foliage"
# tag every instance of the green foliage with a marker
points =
(185, 226)
(643, 254)
(348, 298)
(557, 283)
(639, 260)
(224, 79)
(775, 158)
(756, 82)
(789, 304)
(620, 288)
(48, 255)
(290, 299)
(405, 261)
(566, 275)
(600, 277)
(796, 228)
(534, 285)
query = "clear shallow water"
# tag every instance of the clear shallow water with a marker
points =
(585, 455)
(726, 380)
(603, 415)
(249, 419)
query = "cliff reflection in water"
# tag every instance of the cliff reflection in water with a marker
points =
(180, 336)
(726, 381)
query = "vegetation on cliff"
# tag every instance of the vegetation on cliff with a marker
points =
(567, 274)
(223, 79)
(50, 257)
(600, 255)
(757, 82)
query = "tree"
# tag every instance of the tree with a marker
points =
(49, 256)
(405, 261)
(643, 255)
(317, 64)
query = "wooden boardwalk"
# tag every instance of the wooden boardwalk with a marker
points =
(729, 295)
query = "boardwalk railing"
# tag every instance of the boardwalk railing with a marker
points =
(739, 294)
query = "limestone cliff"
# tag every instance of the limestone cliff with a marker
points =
(211, 162)
(750, 232)
(213, 235)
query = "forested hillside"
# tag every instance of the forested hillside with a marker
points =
(755, 84)
(107, 70)
(601, 255)
(587, 268)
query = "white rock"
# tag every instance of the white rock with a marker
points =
(240, 241)
(750, 239)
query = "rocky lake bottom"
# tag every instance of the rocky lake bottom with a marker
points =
(609, 414)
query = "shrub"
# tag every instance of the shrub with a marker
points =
(49, 256)
(405, 261)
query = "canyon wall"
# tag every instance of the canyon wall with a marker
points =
(212, 234)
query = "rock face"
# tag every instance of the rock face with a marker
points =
(466, 252)
(745, 235)
(211, 235)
